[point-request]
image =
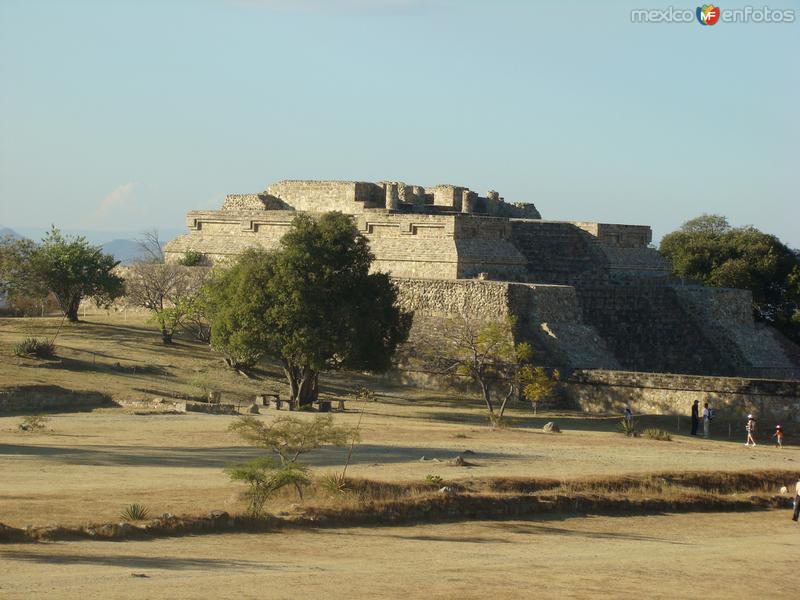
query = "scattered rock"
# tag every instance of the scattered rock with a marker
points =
(253, 409)
(551, 427)
(145, 575)
(784, 489)
(218, 514)
(167, 516)
(124, 528)
(468, 452)
(447, 490)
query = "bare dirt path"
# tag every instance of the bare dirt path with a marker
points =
(749, 555)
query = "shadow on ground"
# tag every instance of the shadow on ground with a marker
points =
(219, 458)
(169, 563)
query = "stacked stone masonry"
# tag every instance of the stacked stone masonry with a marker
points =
(587, 295)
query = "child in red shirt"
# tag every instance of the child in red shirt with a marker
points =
(778, 435)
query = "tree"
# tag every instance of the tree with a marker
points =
(537, 384)
(17, 279)
(287, 438)
(483, 351)
(166, 289)
(312, 304)
(708, 250)
(70, 268)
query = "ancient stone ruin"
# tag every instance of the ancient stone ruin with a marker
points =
(588, 296)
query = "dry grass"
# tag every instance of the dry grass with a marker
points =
(671, 556)
(93, 464)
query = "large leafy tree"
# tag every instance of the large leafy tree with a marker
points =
(312, 304)
(708, 250)
(69, 267)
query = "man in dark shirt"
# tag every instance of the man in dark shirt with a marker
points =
(695, 417)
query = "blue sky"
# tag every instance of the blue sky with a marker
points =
(118, 116)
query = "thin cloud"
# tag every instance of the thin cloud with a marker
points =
(118, 200)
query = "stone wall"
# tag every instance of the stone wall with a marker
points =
(664, 394)
(349, 197)
(548, 317)
(236, 202)
(559, 252)
(31, 399)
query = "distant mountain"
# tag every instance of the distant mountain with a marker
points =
(7, 232)
(125, 251)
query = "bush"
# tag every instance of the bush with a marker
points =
(34, 423)
(658, 434)
(434, 479)
(191, 258)
(334, 483)
(135, 512)
(35, 347)
(628, 427)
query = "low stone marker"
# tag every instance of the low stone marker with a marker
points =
(551, 427)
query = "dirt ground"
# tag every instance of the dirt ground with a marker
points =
(90, 465)
(710, 555)
(93, 464)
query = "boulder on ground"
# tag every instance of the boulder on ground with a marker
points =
(253, 409)
(551, 427)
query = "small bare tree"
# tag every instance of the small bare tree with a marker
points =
(483, 351)
(168, 290)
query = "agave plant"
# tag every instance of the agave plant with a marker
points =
(135, 512)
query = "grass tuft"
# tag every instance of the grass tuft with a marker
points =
(135, 512)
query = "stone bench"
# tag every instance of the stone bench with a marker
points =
(325, 405)
(263, 399)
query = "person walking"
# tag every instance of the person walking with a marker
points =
(695, 416)
(796, 512)
(706, 420)
(750, 427)
(778, 435)
(628, 414)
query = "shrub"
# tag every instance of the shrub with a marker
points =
(288, 438)
(628, 427)
(658, 434)
(135, 512)
(265, 476)
(191, 258)
(34, 423)
(434, 479)
(334, 483)
(31, 346)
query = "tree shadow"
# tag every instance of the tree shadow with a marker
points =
(219, 458)
(170, 563)
(530, 526)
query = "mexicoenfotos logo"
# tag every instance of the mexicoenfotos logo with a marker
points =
(708, 14)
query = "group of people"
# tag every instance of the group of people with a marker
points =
(708, 415)
(750, 425)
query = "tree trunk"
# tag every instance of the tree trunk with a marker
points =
(505, 401)
(72, 308)
(307, 392)
(486, 396)
(303, 384)
(166, 336)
